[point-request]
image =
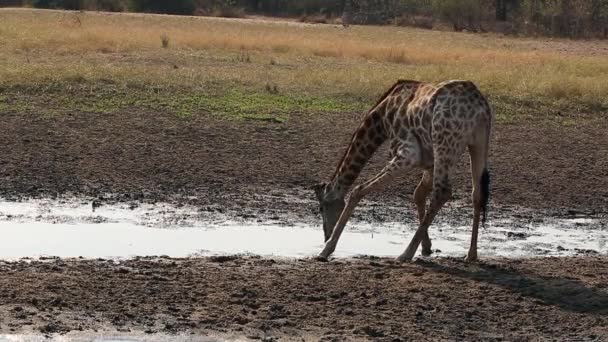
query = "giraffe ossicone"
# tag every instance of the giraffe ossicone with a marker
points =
(429, 127)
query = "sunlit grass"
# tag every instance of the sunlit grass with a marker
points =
(47, 50)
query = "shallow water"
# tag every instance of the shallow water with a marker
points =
(73, 229)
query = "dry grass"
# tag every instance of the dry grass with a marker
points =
(52, 47)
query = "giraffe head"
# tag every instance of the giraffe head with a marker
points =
(330, 207)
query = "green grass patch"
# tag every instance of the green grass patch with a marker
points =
(3, 103)
(251, 104)
(248, 68)
(235, 103)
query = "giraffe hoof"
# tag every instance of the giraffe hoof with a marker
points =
(426, 252)
(470, 258)
(321, 258)
(403, 258)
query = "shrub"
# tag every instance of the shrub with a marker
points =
(164, 41)
(313, 19)
(101, 5)
(111, 5)
(426, 22)
(167, 7)
(228, 12)
(42, 3)
(11, 3)
(462, 14)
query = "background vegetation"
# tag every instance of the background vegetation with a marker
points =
(88, 61)
(564, 18)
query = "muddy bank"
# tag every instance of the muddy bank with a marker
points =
(266, 169)
(373, 299)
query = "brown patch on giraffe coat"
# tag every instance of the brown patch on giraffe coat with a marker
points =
(360, 133)
(390, 117)
(349, 177)
(395, 87)
(371, 134)
(354, 168)
(371, 148)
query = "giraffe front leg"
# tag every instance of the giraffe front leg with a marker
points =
(426, 245)
(398, 162)
(332, 242)
(420, 195)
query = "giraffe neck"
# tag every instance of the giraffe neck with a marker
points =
(370, 134)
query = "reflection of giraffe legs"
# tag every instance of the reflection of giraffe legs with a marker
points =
(422, 191)
(406, 158)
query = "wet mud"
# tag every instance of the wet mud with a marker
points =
(277, 299)
(251, 169)
(203, 169)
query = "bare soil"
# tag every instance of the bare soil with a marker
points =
(365, 299)
(539, 167)
(268, 168)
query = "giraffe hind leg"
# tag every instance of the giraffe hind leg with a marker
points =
(420, 195)
(446, 155)
(478, 167)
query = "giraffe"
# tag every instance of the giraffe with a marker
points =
(429, 126)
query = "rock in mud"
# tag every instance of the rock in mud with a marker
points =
(516, 235)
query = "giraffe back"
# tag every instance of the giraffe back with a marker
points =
(427, 112)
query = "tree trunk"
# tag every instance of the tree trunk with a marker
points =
(254, 5)
(501, 10)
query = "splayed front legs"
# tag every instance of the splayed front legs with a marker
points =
(402, 161)
(436, 181)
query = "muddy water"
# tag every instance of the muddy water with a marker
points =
(75, 229)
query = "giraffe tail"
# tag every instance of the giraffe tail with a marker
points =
(485, 194)
(485, 175)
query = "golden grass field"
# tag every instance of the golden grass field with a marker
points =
(46, 50)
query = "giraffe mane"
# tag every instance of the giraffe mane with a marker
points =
(378, 102)
(390, 90)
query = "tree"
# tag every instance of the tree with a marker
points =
(501, 10)
(168, 7)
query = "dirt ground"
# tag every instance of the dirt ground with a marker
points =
(264, 299)
(268, 168)
(253, 168)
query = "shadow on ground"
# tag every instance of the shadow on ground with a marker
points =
(565, 292)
